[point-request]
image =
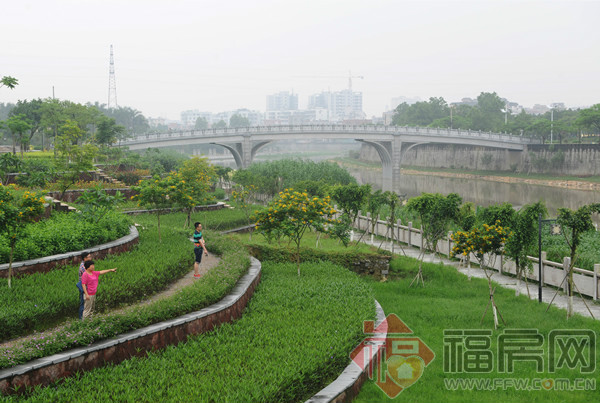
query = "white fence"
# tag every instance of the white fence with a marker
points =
(553, 273)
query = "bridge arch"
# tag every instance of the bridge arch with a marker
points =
(244, 143)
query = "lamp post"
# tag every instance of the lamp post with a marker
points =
(551, 124)
(555, 230)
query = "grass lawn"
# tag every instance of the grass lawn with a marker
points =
(450, 301)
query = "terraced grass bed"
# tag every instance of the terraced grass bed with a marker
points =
(294, 338)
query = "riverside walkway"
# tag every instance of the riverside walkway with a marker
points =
(560, 301)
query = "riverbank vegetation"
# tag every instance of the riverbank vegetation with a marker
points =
(491, 113)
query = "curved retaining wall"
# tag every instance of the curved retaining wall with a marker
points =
(348, 384)
(47, 263)
(46, 370)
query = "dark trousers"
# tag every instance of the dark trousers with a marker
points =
(81, 303)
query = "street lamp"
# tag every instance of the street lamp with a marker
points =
(554, 230)
(551, 124)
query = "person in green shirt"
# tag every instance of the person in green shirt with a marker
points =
(199, 247)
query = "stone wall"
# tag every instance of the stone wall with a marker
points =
(566, 159)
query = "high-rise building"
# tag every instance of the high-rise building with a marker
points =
(282, 101)
(341, 105)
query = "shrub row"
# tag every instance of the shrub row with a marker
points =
(294, 337)
(64, 232)
(209, 289)
(346, 258)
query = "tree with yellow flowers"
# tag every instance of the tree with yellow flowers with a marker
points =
(16, 210)
(486, 243)
(292, 214)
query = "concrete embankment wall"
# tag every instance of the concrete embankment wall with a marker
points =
(564, 159)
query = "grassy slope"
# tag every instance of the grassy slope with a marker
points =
(450, 301)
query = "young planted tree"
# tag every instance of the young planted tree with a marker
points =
(292, 214)
(525, 233)
(574, 224)
(486, 242)
(154, 194)
(375, 202)
(190, 185)
(72, 160)
(243, 196)
(16, 210)
(9, 163)
(96, 203)
(351, 198)
(391, 200)
(436, 213)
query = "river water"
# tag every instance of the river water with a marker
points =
(484, 193)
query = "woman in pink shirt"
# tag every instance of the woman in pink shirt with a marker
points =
(89, 283)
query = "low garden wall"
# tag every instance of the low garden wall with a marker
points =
(47, 370)
(552, 273)
(47, 263)
(347, 386)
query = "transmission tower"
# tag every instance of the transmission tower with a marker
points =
(112, 85)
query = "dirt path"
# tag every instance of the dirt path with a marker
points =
(208, 262)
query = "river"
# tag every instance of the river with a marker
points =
(484, 192)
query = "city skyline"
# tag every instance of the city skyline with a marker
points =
(216, 56)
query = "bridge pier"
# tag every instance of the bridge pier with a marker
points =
(245, 151)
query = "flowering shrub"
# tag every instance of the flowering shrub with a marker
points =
(292, 214)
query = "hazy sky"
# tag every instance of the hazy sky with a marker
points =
(175, 55)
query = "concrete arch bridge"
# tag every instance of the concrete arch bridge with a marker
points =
(391, 142)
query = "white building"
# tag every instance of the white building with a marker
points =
(282, 101)
(341, 105)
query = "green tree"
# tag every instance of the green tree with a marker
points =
(375, 202)
(108, 131)
(18, 126)
(436, 212)
(154, 194)
(15, 211)
(590, 118)
(8, 81)
(190, 185)
(201, 124)
(238, 121)
(292, 214)
(9, 163)
(525, 233)
(72, 160)
(351, 198)
(96, 203)
(31, 110)
(574, 224)
(221, 124)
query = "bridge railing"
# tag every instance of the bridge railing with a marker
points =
(334, 128)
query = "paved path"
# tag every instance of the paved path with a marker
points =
(208, 262)
(548, 293)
